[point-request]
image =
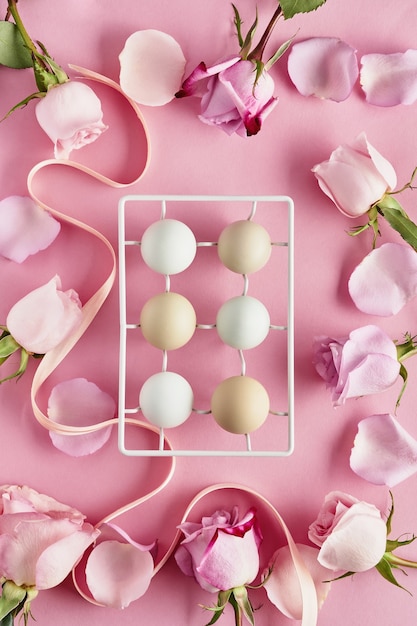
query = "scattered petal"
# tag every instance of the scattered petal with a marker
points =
(118, 573)
(78, 402)
(383, 453)
(390, 79)
(282, 586)
(151, 67)
(25, 228)
(385, 280)
(325, 67)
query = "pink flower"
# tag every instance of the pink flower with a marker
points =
(383, 453)
(385, 280)
(78, 402)
(351, 534)
(70, 114)
(325, 67)
(25, 228)
(390, 79)
(221, 552)
(361, 364)
(40, 538)
(44, 317)
(282, 585)
(151, 67)
(355, 177)
(230, 99)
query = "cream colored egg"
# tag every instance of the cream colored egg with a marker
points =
(168, 246)
(240, 404)
(166, 399)
(168, 320)
(243, 322)
(244, 247)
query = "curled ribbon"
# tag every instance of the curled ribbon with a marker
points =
(90, 309)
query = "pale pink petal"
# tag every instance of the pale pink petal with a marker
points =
(25, 228)
(385, 280)
(383, 453)
(71, 116)
(383, 166)
(283, 587)
(78, 402)
(58, 559)
(390, 79)
(151, 67)
(44, 317)
(118, 573)
(357, 542)
(325, 67)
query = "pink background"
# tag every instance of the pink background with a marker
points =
(189, 157)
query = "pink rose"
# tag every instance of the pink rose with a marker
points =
(44, 317)
(361, 364)
(355, 177)
(221, 551)
(230, 99)
(70, 114)
(40, 538)
(351, 534)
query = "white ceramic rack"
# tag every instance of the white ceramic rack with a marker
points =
(205, 359)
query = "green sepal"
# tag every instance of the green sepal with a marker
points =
(238, 24)
(404, 376)
(393, 544)
(11, 598)
(247, 43)
(8, 345)
(397, 218)
(278, 54)
(241, 603)
(385, 569)
(24, 360)
(390, 514)
(345, 575)
(23, 103)
(13, 51)
(292, 7)
(7, 621)
(222, 600)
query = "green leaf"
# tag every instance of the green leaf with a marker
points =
(397, 218)
(292, 7)
(13, 51)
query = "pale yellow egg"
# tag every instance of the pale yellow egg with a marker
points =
(168, 321)
(240, 404)
(244, 247)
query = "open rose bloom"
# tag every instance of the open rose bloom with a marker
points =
(351, 534)
(70, 114)
(361, 364)
(40, 538)
(230, 97)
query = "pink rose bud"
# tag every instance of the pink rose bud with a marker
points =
(361, 364)
(40, 538)
(44, 317)
(355, 177)
(221, 552)
(70, 114)
(351, 534)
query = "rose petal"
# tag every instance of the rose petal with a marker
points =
(282, 585)
(78, 402)
(193, 86)
(390, 79)
(118, 573)
(25, 228)
(325, 67)
(383, 453)
(44, 317)
(357, 542)
(385, 280)
(151, 67)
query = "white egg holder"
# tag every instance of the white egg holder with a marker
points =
(280, 203)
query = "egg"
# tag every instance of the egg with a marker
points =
(243, 322)
(168, 320)
(244, 247)
(240, 404)
(168, 246)
(166, 399)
